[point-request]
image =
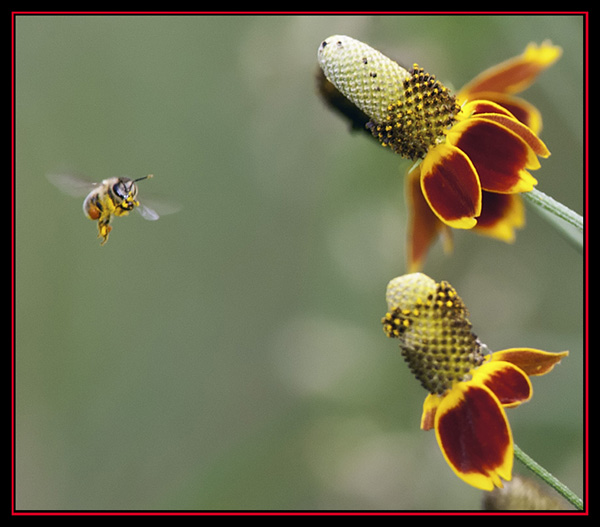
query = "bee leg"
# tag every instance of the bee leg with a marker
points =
(103, 230)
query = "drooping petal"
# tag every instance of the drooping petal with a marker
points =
(499, 155)
(522, 110)
(488, 109)
(508, 383)
(424, 226)
(451, 186)
(482, 106)
(500, 215)
(430, 406)
(531, 361)
(474, 435)
(515, 74)
(525, 133)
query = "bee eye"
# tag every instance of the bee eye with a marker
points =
(120, 189)
(124, 190)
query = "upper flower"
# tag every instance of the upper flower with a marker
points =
(469, 389)
(473, 155)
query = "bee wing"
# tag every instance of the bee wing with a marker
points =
(72, 185)
(153, 208)
(147, 213)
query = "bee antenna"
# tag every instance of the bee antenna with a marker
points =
(145, 177)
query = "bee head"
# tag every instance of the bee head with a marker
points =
(126, 187)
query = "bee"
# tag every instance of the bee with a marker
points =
(116, 196)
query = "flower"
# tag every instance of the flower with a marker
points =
(468, 387)
(472, 153)
(501, 213)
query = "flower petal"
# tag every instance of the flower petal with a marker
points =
(424, 226)
(451, 186)
(499, 155)
(508, 383)
(482, 106)
(525, 133)
(474, 435)
(430, 406)
(500, 215)
(531, 361)
(515, 74)
(522, 110)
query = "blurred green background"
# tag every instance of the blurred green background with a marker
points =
(231, 356)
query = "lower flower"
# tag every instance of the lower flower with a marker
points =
(469, 389)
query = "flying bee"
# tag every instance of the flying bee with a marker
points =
(116, 196)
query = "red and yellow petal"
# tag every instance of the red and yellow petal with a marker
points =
(430, 406)
(509, 383)
(474, 435)
(424, 226)
(501, 215)
(482, 106)
(531, 361)
(526, 134)
(515, 74)
(522, 110)
(451, 186)
(499, 155)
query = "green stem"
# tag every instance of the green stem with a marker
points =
(562, 489)
(563, 218)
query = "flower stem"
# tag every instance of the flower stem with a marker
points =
(562, 489)
(563, 218)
